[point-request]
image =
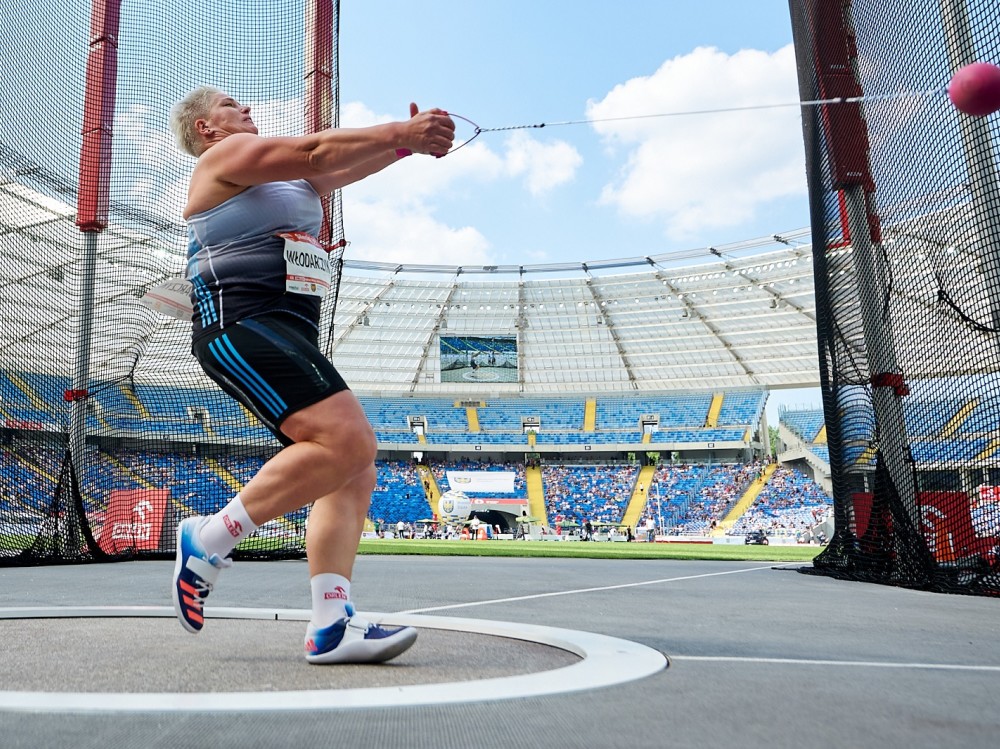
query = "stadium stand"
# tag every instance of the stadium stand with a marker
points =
(807, 424)
(788, 505)
(575, 494)
(191, 414)
(682, 499)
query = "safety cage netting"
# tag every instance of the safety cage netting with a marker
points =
(111, 433)
(905, 210)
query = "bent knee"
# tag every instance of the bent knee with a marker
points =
(339, 424)
(353, 446)
(367, 480)
(360, 441)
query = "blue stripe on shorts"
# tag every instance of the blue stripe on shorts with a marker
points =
(231, 361)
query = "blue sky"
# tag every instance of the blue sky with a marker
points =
(570, 193)
(622, 187)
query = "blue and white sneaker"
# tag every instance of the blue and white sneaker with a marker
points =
(354, 640)
(195, 574)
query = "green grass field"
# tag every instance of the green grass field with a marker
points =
(549, 549)
(595, 550)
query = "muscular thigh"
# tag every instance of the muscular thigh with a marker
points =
(273, 366)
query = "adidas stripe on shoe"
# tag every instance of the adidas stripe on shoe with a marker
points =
(195, 574)
(355, 640)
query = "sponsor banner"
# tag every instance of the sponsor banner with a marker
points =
(948, 527)
(986, 512)
(482, 482)
(171, 298)
(863, 503)
(519, 502)
(134, 520)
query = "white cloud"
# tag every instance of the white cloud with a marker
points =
(391, 215)
(357, 114)
(544, 165)
(156, 174)
(705, 171)
(278, 116)
(384, 231)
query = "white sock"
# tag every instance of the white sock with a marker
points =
(226, 528)
(330, 596)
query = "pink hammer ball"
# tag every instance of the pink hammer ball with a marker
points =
(975, 89)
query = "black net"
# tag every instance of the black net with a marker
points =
(905, 209)
(111, 433)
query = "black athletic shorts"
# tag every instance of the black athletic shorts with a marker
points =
(272, 365)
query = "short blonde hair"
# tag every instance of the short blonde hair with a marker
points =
(194, 106)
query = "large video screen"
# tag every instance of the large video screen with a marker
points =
(479, 358)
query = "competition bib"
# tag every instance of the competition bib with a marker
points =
(307, 265)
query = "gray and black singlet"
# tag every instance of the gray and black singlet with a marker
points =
(251, 336)
(235, 256)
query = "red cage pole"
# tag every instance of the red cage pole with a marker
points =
(98, 116)
(92, 198)
(319, 71)
(843, 123)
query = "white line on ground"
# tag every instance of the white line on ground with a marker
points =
(584, 590)
(856, 664)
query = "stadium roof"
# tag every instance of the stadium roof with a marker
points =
(733, 316)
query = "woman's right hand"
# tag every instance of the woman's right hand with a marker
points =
(430, 132)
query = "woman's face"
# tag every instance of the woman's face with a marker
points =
(228, 116)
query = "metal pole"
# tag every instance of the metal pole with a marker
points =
(978, 146)
(81, 369)
(887, 401)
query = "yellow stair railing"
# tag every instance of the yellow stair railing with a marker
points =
(536, 493)
(223, 473)
(25, 387)
(430, 487)
(956, 421)
(132, 398)
(745, 501)
(712, 420)
(640, 495)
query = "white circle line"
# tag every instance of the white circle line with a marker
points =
(605, 661)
